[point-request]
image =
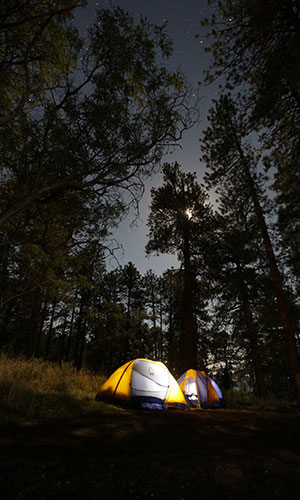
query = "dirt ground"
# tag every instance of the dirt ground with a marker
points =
(181, 455)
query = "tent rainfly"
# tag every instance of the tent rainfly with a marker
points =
(200, 390)
(143, 383)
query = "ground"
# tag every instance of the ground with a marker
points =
(183, 455)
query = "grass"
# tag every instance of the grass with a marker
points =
(37, 389)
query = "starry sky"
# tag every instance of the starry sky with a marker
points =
(183, 19)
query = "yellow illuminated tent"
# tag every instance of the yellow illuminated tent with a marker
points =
(200, 390)
(143, 383)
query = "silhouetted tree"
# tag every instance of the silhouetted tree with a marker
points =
(228, 156)
(180, 223)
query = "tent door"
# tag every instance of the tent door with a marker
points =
(190, 389)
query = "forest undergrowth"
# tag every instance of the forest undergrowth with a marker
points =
(38, 389)
(35, 389)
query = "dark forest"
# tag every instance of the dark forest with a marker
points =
(84, 122)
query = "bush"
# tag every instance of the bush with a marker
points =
(238, 398)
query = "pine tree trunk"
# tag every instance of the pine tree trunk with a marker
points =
(170, 337)
(40, 333)
(79, 361)
(78, 333)
(49, 336)
(70, 335)
(287, 325)
(227, 379)
(252, 337)
(161, 334)
(63, 340)
(5, 313)
(33, 324)
(154, 321)
(190, 341)
(5, 323)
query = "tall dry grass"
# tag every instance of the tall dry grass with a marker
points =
(37, 389)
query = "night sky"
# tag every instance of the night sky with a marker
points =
(183, 22)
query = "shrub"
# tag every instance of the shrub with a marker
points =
(238, 398)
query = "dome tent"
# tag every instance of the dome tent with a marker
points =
(200, 390)
(143, 383)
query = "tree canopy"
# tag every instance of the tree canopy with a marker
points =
(38, 48)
